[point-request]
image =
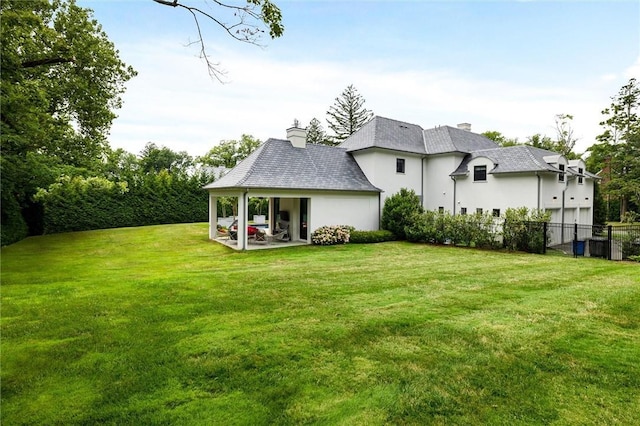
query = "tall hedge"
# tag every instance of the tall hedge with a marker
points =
(78, 203)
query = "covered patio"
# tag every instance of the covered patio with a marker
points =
(307, 186)
(284, 225)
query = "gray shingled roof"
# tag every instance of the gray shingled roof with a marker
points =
(386, 133)
(276, 164)
(512, 159)
(445, 139)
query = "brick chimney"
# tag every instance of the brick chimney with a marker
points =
(297, 136)
(465, 126)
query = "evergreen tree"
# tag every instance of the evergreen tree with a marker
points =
(316, 134)
(348, 114)
(618, 152)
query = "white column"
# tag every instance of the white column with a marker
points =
(213, 216)
(243, 211)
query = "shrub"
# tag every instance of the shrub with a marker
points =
(13, 226)
(427, 227)
(477, 230)
(399, 211)
(630, 242)
(367, 237)
(482, 228)
(630, 217)
(524, 230)
(330, 235)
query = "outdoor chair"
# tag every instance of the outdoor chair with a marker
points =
(281, 233)
(233, 231)
(261, 236)
(252, 232)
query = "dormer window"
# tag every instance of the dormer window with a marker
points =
(561, 175)
(480, 173)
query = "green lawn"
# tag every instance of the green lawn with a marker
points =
(157, 325)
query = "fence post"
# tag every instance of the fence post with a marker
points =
(544, 238)
(609, 245)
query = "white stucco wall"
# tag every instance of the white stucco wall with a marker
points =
(497, 192)
(578, 199)
(380, 168)
(357, 210)
(438, 186)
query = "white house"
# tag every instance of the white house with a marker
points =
(451, 169)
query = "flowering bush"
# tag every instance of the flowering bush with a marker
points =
(330, 235)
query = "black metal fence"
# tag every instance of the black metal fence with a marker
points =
(605, 241)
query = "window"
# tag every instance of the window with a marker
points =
(561, 175)
(463, 210)
(479, 210)
(496, 212)
(479, 173)
(399, 165)
(440, 209)
(580, 172)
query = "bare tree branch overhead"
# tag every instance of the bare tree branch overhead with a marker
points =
(247, 24)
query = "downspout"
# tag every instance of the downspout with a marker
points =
(379, 209)
(566, 185)
(453, 178)
(539, 183)
(422, 180)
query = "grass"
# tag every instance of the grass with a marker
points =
(157, 325)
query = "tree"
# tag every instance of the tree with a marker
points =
(564, 143)
(540, 141)
(618, 152)
(565, 140)
(500, 139)
(155, 159)
(61, 82)
(316, 134)
(244, 23)
(229, 153)
(348, 114)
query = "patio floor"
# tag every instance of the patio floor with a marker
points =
(260, 245)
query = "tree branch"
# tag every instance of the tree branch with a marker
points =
(242, 30)
(46, 61)
(173, 3)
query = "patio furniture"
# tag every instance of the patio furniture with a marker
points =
(261, 236)
(281, 233)
(252, 232)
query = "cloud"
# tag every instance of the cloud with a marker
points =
(173, 102)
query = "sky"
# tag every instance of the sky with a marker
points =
(507, 66)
